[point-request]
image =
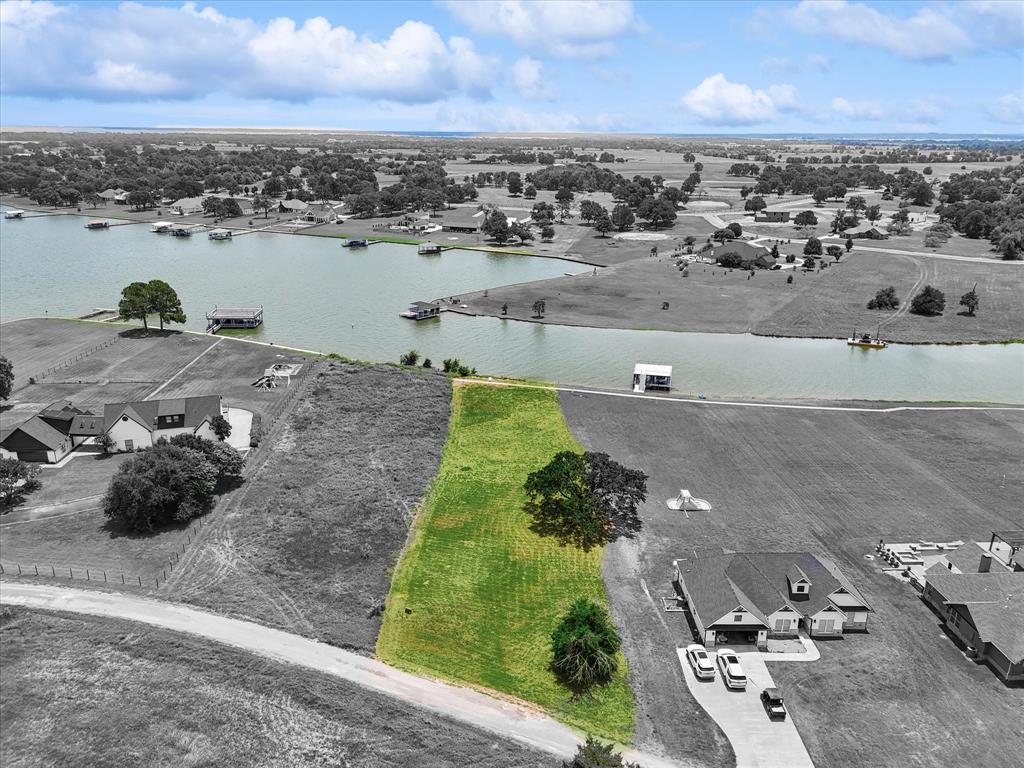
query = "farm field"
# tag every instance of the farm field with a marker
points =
(828, 303)
(829, 482)
(35, 345)
(308, 543)
(90, 691)
(477, 593)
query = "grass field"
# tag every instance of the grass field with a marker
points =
(309, 542)
(477, 594)
(834, 483)
(84, 691)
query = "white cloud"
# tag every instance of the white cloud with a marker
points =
(528, 78)
(858, 110)
(132, 52)
(567, 28)
(820, 62)
(716, 101)
(932, 33)
(1009, 108)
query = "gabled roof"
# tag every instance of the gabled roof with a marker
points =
(195, 410)
(86, 425)
(745, 250)
(34, 434)
(796, 574)
(994, 600)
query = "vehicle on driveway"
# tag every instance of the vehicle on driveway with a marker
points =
(732, 672)
(701, 663)
(773, 704)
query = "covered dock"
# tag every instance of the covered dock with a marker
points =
(233, 317)
(647, 376)
(422, 310)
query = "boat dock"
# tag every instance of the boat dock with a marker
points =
(233, 317)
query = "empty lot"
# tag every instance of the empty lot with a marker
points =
(830, 482)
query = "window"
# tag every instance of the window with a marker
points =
(800, 588)
(782, 625)
(737, 617)
(827, 625)
(129, 445)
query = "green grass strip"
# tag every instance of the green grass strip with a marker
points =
(476, 594)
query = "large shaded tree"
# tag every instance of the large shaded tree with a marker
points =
(930, 301)
(164, 303)
(585, 499)
(584, 645)
(134, 303)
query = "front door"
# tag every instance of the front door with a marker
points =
(129, 445)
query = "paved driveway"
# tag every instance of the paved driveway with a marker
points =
(757, 741)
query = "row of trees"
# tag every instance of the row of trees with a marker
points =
(929, 301)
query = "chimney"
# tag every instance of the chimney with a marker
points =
(986, 563)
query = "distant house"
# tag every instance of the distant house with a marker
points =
(292, 206)
(187, 205)
(320, 213)
(865, 230)
(109, 195)
(985, 609)
(750, 255)
(463, 220)
(769, 594)
(48, 436)
(774, 216)
(138, 425)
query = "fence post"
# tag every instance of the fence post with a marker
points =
(37, 569)
(122, 578)
(140, 581)
(104, 577)
(53, 571)
(19, 569)
(87, 576)
(71, 574)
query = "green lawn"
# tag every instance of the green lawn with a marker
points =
(477, 594)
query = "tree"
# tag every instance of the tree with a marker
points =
(970, 300)
(820, 195)
(805, 219)
(603, 223)
(737, 230)
(837, 191)
(134, 303)
(158, 486)
(920, 193)
(835, 251)
(885, 298)
(164, 302)
(564, 197)
(521, 231)
(6, 378)
(812, 247)
(531, 192)
(594, 754)
(538, 308)
(930, 302)
(1011, 245)
(584, 646)
(221, 427)
(585, 499)
(775, 250)
(229, 463)
(873, 213)
(262, 203)
(141, 199)
(590, 210)
(721, 235)
(515, 184)
(16, 478)
(808, 262)
(656, 211)
(730, 260)
(849, 245)
(755, 204)
(409, 358)
(547, 232)
(856, 204)
(622, 217)
(496, 225)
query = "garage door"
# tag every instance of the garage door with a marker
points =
(33, 456)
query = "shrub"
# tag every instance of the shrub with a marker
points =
(970, 300)
(930, 302)
(886, 298)
(16, 478)
(730, 260)
(409, 358)
(221, 427)
(812, 247)
(584, 645)
(594, 754)
(427, 363)
(736, 229)
(229, 463)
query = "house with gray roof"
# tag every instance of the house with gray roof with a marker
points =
(984, 608)
(131, 426)
(46, 437)
(769, 594)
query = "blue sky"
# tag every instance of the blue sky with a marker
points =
(826, 66)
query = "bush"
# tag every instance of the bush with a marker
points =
(929, 302)
(256, 430)
(16, 479)
(584, 645)
(886, 298)
(221, 427)
(229, 463)
(731, 260)
(409, 358)
(812, 247)
(160, 485)
(427, 363)
(736, 229)
(594, 754)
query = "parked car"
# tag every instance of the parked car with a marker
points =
(773, 704)
(732, 672)
(700, 661)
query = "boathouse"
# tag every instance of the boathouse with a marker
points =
(429, 249)
(647, 376)
(233, 317)
(422, 310)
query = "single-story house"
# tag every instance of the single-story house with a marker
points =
(464, 220)
(292, 206)
(187, 205)
(985, 610)
(750, 255)
(320, 213)
(866, 230)
(769, 594)
(138, 425)
(48, 436)
(775, 216)
(112, 194)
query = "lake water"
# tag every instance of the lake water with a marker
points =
(320, 296)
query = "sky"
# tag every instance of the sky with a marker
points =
(816, 66)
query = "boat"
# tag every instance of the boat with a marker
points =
(16, 214)
(220, 234)
(422, 310)
(97, 224)
(182, 232)
(866, 341)
(162, 227)
(355, 242)
(429, 249)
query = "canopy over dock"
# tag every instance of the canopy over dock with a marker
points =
(647, 376)
(233, 317)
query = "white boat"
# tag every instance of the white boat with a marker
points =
(867, 341)
(16, 214)
(220, 234)
(162, 227)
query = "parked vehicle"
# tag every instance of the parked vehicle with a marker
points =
(773, 704)
(701, 663)
(732, 672)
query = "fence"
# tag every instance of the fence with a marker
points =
(102, 575)
(68, 363)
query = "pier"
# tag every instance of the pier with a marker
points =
(233, 317)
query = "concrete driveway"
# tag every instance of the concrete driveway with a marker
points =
(757, 741)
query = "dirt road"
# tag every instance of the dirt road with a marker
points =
(504, 718)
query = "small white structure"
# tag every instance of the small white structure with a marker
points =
(647, 376)
(14, 214)
(162, 227)
(687, 503)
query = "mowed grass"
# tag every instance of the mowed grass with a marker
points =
(477, 593)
